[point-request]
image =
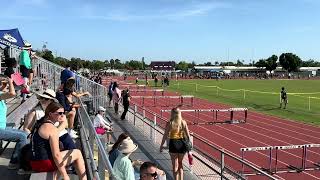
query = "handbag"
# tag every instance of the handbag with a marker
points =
(186, 141)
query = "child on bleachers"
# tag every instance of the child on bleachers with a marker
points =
(9, 134)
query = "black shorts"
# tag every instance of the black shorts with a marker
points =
(24, 71)
(177, 146)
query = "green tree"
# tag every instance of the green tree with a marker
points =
(112, 63)
(182, 65)
(134, 65)
(290, 61)
(48, 55)
(260, 63)
(239, 63)
(118, 64)
(310, 63)
(271, 63)
(191, 65)
(97, 65)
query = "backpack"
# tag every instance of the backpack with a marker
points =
(25, 157)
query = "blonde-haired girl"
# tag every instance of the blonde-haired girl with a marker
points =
(177, 130)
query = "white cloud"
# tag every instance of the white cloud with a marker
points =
(189, 10)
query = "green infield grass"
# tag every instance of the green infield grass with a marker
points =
(259, 95)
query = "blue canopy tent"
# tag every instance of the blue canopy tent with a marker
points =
(11, 38)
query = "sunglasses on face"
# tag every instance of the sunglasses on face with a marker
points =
(60, 113)
(154, 175)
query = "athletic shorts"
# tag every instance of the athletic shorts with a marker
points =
(177, 146)
(47, 165)
(284, 100)
(24, 71)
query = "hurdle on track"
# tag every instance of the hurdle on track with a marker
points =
(181, 100)
(304, 156)
(215, 113)
(129, 86)
(148, 90)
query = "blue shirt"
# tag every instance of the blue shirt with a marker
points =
(3, 114)
(65, 75)
(123, 169)
(113, 156)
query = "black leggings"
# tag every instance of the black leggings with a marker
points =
(125, 110)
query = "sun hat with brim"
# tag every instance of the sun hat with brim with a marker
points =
(127, 146)
(101, 108)
(27, 46)
(49, 94)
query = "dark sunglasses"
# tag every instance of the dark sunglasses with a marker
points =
(60, 113)
(154, 175)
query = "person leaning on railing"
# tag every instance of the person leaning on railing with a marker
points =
(46, 154)
(10, 134)
(65, 97)
(177, 130)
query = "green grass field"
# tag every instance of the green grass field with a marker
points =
(259, 95)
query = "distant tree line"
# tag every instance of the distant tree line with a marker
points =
(287, 61)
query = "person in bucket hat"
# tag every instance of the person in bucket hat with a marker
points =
(122, 167)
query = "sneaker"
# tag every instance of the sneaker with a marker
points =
(73, 135)
(12, 166)
(74, 132)
(23, 172)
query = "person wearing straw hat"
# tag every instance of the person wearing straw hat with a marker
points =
(37, 113)
(25, 67)
(122, 167)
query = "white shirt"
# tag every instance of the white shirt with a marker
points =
(99, 121)
(39, 113)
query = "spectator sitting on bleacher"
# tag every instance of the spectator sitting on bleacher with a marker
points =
(114, 153)
(9, 134)
(65, 75)
(116, 97)
(122, 167)
(37, 113)
(46, 154)
(150, 171)
(101, 125)
(66, 99)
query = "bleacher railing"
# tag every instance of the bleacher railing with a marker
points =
(209, 161)
(49, 77)
(50, 74)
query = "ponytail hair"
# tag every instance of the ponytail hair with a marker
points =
(119, 141)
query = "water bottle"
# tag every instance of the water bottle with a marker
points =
(190, 158)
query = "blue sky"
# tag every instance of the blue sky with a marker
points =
(192, 30)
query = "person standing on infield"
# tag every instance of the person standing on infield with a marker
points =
(284, 98)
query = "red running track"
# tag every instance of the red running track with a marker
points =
(259, 130)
